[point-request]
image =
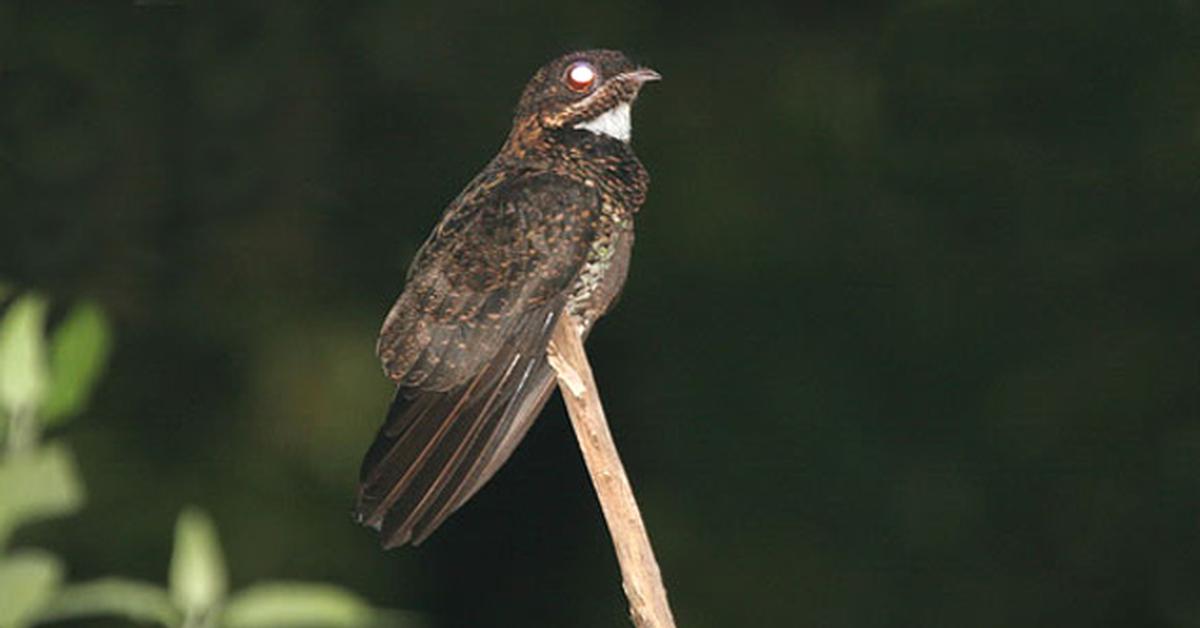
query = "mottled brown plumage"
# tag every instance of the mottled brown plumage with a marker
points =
(545, 230)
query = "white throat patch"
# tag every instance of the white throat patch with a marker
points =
(614, 123)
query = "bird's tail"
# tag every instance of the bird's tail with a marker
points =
(436, 448)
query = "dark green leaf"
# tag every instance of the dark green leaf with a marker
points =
(78, 352)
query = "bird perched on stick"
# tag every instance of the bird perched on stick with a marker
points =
(544, 231)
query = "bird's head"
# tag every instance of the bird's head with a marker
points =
(590, 90)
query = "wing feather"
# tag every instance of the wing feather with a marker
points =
(466, 345)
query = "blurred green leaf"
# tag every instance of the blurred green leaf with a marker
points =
(301, 605)
(4, 290)
(138, 601)
(23, 356)
(27, 581)
(78, 352)
(43, 484)
(198, 580)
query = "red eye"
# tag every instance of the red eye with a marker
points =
(580, 76)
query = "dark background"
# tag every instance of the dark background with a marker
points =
(911, 336)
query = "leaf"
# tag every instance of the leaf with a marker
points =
(303, 605)
(40, 485)
(28, 580)
(78, 352)
(23, 356)
(198, 581)
(138, 601)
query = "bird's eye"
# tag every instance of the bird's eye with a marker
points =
(581, 76)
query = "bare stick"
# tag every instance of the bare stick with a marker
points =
(639, 571)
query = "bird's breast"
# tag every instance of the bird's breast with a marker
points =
(604, 270)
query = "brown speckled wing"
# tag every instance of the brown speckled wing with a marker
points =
(466, 344)
(506, 248)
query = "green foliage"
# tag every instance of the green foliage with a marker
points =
(78, 352)
(28, 579)
(290, 604)
(139, 601)
(42, 387)
(49, 383)
(38, 485)
(197, 567)
(23, 371)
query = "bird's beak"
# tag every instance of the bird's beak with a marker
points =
(642, 75)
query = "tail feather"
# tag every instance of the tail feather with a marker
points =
(437, 448)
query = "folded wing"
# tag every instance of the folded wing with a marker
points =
(466, 344)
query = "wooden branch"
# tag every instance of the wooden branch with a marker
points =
(642, 581)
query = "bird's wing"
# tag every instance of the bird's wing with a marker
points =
(466, 343)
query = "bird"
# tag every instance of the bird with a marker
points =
(544, 231)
